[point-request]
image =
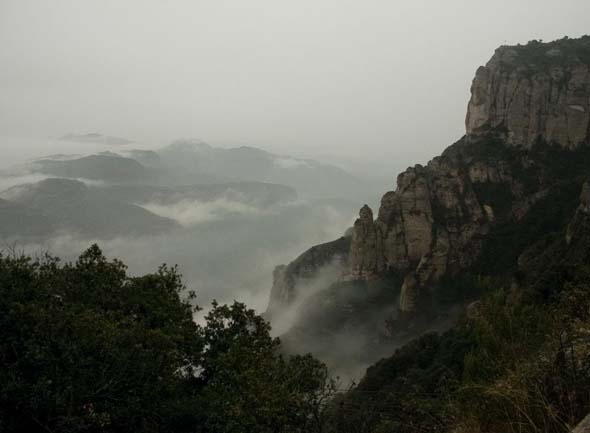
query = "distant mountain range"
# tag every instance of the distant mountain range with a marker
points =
(137, 192)
(193, 162)
(55, 205)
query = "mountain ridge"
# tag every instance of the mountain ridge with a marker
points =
(460, 212)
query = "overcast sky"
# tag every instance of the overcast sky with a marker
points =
(374, 79)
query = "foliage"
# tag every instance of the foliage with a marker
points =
(84, 347)
(533, 56)
(512, 366)
(556, 172)
(249, 387)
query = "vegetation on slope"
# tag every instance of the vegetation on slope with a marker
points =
(86, 348)
(514, 365)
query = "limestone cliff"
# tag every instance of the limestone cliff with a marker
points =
(290, 280)
(527, 131)
(435, 221)
(366, 258)
(428, 223)
(535, 92)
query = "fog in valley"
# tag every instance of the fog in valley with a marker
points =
(181, 204)
(230, 137)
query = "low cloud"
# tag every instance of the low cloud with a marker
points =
(287, 317)
(7, 182)
(224, 259)
(193, 212)
(11, 187)
(290, 163)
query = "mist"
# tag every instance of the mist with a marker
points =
(356, 81)
(322, 103)
(223, 259)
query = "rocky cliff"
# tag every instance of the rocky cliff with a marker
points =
(290, 282)
(527, 135)
(436, 220)
(536, 92)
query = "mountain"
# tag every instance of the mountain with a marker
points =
(56, 204)
(17, 219)
(65, 205)
(193, 161)
(504, 191)
(107, 167)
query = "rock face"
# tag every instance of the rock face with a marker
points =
(435, 221)
(366, 256)
(529, 109)
(430, 224)
(288, 279)
(534, 92)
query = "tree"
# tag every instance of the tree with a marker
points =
(84, 347)
(249, 386)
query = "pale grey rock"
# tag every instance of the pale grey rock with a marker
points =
(531, 102)
(366, 252)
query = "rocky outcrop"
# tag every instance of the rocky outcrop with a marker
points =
(436, 222)
(430, 224)
(289, 279)
(536, 92)
(366, 258)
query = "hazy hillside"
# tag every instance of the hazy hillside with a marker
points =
(485, 208)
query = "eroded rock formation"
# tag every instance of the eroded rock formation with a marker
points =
(289, 279)
(366, 258)
(527, 103)
(535, 92)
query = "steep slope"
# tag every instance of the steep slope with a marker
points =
(21, 221)
(508, 185)
(291, 283)
(518, 357)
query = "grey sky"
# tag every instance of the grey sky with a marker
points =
(367, 78)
